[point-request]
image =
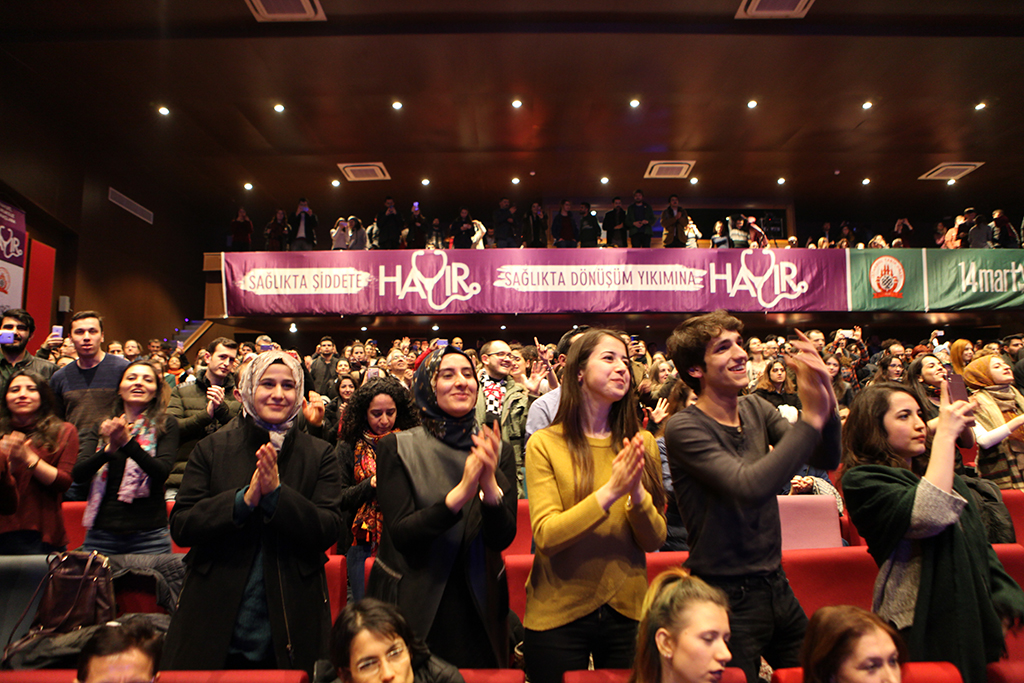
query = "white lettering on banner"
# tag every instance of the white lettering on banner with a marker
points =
(782, 278)
(582, 278)
(991, 279)
(455, 278)
(275, 281)
(9, 244)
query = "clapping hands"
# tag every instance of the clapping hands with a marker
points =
(265, 478)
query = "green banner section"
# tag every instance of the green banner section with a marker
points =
(887, 280)
(961, 279)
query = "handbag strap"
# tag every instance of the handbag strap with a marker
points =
(28, 606)
(81, 585)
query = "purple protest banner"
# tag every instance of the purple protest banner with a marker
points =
(12, 256)
(533, 281)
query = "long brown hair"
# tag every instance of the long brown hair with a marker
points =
(156, 411)
(622, 419)
(48, 427)
(765, 380)
(865, 441)
(833, 633)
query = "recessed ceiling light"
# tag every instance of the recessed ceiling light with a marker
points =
(866, 105)
(751, 104)
(396, 105)
(247, 186)
(165, 111)
(781, 181)
(517, 103)
(279, 108)
(292, 328)
(363, 328)
(951, 181)
(693, 181)
(515, 181)
(866, 181)
(593, 213)
(435, 328)
(502, 327)
(634, 103)
(979, 106)
(425, 181)
(604, 181)
(336, 183)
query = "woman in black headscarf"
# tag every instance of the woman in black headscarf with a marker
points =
(447, 491)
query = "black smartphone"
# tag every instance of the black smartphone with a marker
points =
(957, 388)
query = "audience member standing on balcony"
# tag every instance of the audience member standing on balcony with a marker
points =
(590, 229)
(535, 228)
(356, 235)
(240, 238)
(639, 222)
(389, 226)
(564, 227)
(506, 226)
(596, 506)
(302, 228)
(275, 234)
(673, 223)
(417, 229)
(615, 224)
(462, 230)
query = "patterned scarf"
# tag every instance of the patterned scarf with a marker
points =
(455, 432)
(134, 481)
(366, 526)
(247, 390)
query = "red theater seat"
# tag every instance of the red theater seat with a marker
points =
(257, 676)
(831, 576)
(337, 583)
(1006, 672)
(659, 562)
(730, 675)
(72, 512)
(913, 672)
(523, 542)
(517, 569)
(1014, 501)
(809, 522)
(1012, 557)
(40, 676)
(493, 675)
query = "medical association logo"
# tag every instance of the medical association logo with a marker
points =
(5, 281)
(887, 277)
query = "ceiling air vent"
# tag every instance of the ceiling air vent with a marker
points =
(952, 170)
(286, 10)
(669, 169)
(370, 171)
(132, 207)
(773, 9)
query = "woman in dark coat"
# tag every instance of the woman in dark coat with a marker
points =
(447, 491)
(258, 505)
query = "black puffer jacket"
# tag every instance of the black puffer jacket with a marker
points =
(188, 404)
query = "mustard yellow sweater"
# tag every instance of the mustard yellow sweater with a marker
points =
(585, 557)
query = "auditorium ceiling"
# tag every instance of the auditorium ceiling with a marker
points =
(101, 70)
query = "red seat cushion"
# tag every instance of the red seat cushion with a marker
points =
(831, 576)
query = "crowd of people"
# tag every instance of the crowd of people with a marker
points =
(630, 224)
(415, 454)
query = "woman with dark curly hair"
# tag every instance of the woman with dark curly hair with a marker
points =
(376, 409)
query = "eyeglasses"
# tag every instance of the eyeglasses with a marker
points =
(368, 668)
(501, 354)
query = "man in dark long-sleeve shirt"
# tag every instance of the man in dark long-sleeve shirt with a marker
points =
(726, 478)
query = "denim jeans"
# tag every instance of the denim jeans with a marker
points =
(766, 620)
(355, 559)
(604, 633)
(155, 542)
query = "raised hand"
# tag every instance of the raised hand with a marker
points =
(214, 397)
(487, 449)
(814, 385)
(538, 371)
(313, 409)
(266, 469)
(252, 494)
(660, 411)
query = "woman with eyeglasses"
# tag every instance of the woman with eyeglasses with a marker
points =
(371, 642)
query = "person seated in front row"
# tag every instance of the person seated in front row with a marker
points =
(846, 644)
(372, 641)
(125, 653)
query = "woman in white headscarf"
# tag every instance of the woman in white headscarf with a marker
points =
(258, 506)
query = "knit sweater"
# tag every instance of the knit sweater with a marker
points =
(585, 557)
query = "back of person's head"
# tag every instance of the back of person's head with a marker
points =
(689, 342)
(865, 440)
(566, 341)
(380, 618)
(668, 606)
(832, 636)
(115, 639)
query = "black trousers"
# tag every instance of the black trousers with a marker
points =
(604, 633)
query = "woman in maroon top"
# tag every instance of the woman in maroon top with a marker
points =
(41, 450)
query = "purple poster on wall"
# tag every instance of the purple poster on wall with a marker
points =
(533, 281)
(12, 256)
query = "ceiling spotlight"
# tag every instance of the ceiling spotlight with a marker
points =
(866, 105)
(363, 329)
(866, 181)
(951, 181)
(604, 181)
(292, 328)
(978, 107)
(593, 213)
(781, 181)
(247, 186)
(279, 108)
(502, 327)
(634, 103)
(517, 103)
(336, 183)
(396, 105)
(693, 181)
(751, 104)
(165, 111)
(515, 181)
(425, 181)
(435, 328)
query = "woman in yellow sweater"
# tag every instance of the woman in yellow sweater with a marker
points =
(596, 506)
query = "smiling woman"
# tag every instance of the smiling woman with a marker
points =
(127, 458)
